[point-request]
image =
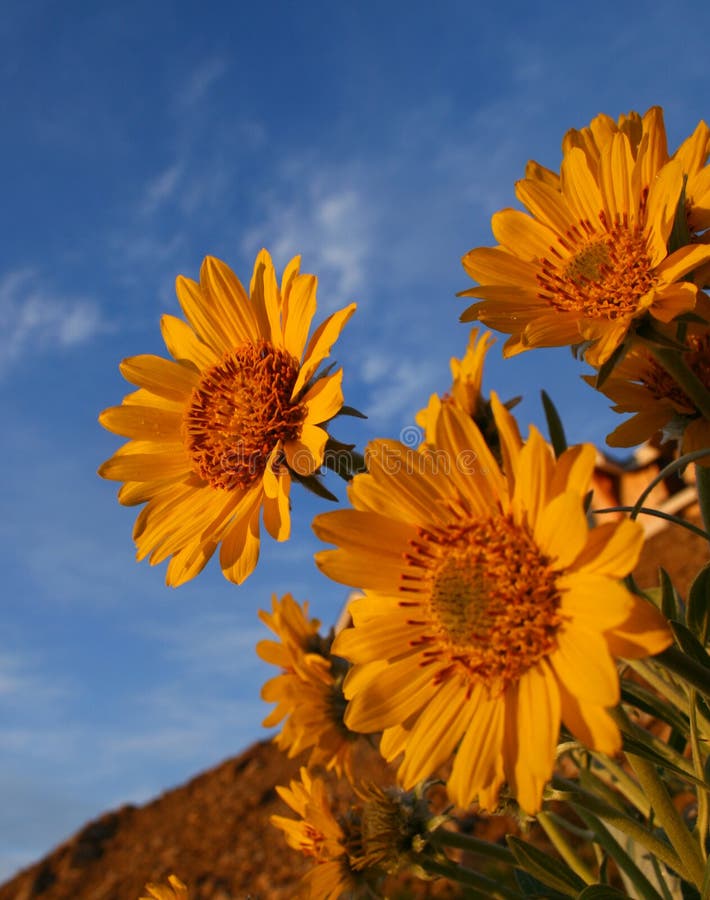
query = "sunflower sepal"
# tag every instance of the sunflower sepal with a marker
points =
(343, 459)
(314, 484)
(350, 411)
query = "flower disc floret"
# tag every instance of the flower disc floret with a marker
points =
(495, 601)
(240, 411)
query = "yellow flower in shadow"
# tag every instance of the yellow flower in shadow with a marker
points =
(308, 693)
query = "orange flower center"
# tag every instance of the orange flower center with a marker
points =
(239, 412)
(604, 278)
(494, 604)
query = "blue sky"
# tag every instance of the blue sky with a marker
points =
(376, 139)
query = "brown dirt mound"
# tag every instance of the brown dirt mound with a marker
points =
(213, 832)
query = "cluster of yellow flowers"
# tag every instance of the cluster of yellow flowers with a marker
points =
(490, 611)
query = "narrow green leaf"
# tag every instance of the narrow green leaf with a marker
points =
(608, 367)
(551, 871)
(680, 233)
(554, 425)
(533, 888)
(601, 892)
(690, 645)
(670, 601)
(659, 758)
(650, 702)
(613, 848)
(698, 611)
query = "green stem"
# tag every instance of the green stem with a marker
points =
(559, 842)
(702, 484)
(461, 875)
(673, 362)
(658, 514)
(667, 815)
(674, 466)
(442, 837)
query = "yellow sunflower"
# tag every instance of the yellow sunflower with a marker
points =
(491, 611)
(217, 432)
(591, 259)
(308, 692)
(641, 386)
(322, 837)
(173, 890)
(467, 376)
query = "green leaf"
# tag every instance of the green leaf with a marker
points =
(553, 872)
(670, 601)
(532, 887)
(650, 702)
(601, 892)
(554, 425)
(658, 758)
(608, 367)
(611, 846)
(698, 612)
(680, 233)
(648, 333)
(689, 644)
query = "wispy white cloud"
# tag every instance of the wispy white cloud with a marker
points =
(200, 80)
(22, 685)
(326, 217)
(162, 188)
(36, 317)
(397, 387)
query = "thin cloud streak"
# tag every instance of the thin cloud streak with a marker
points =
(37, 318)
